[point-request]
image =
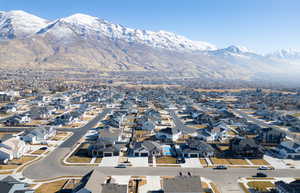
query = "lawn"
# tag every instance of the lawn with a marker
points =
(23, 160)
(80, 155)
(238, 162)
(215, 188)
(166, 160)
(52, 187)
(203, 162)
(244, 188)
(60, 136)
(219, 161)
(261, 185)
(259, 162)
(39, 152)
(98, 160)
(8, 167)
(13, 164)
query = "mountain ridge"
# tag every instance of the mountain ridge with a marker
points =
(83, 41)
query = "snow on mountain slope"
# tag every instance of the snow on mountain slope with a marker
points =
(285, 54)
(19, 24)
(89, 26)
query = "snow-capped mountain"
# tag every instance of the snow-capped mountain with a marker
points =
(285, 54)
(19, 24)
(83, 41)
(89, 26)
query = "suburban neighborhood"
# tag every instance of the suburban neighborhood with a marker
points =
(177, 132)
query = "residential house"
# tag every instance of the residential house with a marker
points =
(18, 120)
(292, 187)
(196, 148)
(289, 149)
(270, 136)
(10, 185)
(8, 108)
(12, 147)
(145, 149)
(103, 147)
(44, 112)
(182, 184)
(245, 148)
(169, 134)
(38, 135)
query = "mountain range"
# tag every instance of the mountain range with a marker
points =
(87, 42)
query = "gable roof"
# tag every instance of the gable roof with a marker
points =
(182, 184)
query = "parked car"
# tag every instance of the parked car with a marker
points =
(265, 168)
(261, 175)
(220, 167)
(121, 166)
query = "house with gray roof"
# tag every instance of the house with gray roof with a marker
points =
(11, 185)
(182, 184)
(145, 149)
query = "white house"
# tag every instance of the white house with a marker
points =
(169, 134)
(39, 135)
(12, 148)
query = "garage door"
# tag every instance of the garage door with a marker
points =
(144, 154)
(108, 154)
(193, 155)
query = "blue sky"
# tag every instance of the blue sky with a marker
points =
(261, 25)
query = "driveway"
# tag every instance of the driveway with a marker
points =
(121, 179)
(152, 184)
(275, 162)
(139, 161)
(192, 163)
(109, 161)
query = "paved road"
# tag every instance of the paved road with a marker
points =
(51, 166)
